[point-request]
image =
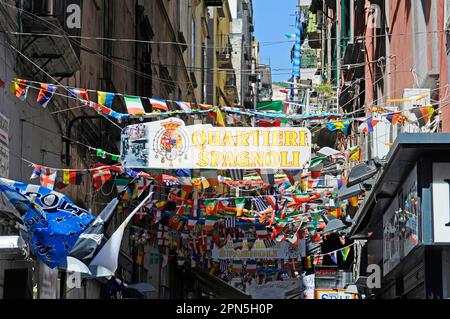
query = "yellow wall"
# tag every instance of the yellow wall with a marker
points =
(222, 30)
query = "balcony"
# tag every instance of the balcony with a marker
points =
(55, 55)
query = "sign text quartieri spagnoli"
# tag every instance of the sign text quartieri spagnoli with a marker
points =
(171, 144)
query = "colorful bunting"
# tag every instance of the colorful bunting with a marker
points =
(134, 105)
(45, 94)
(159, 104)
(105, 98)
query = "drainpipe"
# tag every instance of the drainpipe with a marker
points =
(369, 67)
(388, 58)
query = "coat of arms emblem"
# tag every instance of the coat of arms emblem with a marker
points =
(171, 142)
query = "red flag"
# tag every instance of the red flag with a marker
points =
(100, 177)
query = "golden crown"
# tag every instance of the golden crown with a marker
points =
(171, 125)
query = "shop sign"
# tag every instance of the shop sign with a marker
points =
(334, 294)
(281, 250)
(171, 144)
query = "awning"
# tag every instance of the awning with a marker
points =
(405, 152)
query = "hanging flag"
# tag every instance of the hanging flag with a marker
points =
(293, 175)
(345, 253)
(230, 222)
(269, 123)
(100, 177)
(269, 243)
(218, 118)
(261, 232)
(71, 177)
(36, 171)
(251, 266)
(184, 176)
(105, 98)
(105, 262)
(284, 210)
(318, 260)
(159, 104)
(333, 256)
(134, 105)
(355, 153)
(80, 94)
(354, 201)
(20, 88)
(342, 126)
(368, 125)
(205, 107)
(45, 94)
(2, 83)
(393, 118)
(48, 177)
(54, 226)
(211, 176)
(91, 238)
(240, 204)
(184, 106)
(210, 207)
(423, 114)
(267, 175)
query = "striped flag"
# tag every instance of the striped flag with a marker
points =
(345, 253)
(80, 94)
(269, 243)
(267, 175)
(37, 169)
(20, 88)
(223, 265)
(236, 174)
(159, 104)
(333, 256)
(237, 266)
(260, 205)
(45, 94)
(251, 266)
(48, 177)
(105, 98)
(184, 106)
(261, 232)
(134, 105)
(240, 204)
(71, 177)
(318, 260)
(230, 222)
(100, 177)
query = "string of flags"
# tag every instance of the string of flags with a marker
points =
(160, 107)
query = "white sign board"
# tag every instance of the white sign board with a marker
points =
(170, 144)
(441, 202)
(334, 294)
(281, 250)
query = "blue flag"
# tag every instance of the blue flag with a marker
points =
(52, 221)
